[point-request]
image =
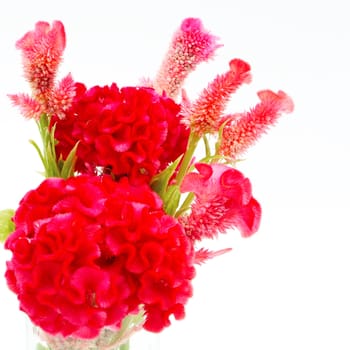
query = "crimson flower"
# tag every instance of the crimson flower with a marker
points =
(88, 251)
(223, 200)
(131, 131)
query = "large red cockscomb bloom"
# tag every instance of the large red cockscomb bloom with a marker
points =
(87, 251)
(131, 131)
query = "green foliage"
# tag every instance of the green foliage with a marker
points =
(160, 182)
(172, 199)
(6, 224)
(53, 167)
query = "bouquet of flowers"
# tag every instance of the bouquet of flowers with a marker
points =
(109, 241)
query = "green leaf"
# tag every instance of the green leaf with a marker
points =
(68, 164)
(41, 347)
(6, 224)
(172, 199)
(37, 148)
(160, 182)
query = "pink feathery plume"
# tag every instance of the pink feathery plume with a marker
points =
(191, 45)
(204, 115)
(42, 51)
(29, 107)
(62, 96)
(223, 200)
(242, 130)
(202, 254)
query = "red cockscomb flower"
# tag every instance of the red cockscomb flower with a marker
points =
(223, 201)
(131, 131)
(88, 251)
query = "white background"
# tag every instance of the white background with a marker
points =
(287, 287)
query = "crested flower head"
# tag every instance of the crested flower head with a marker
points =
(223, 200)
(88, 251)
(131, 131)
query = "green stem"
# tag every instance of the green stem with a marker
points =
(186, 160)
(185, 205)
(48, 153)
(125, 346)
(207, 146)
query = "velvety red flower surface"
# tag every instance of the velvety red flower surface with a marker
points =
(223, 200)
(131, 131)
(87, 251)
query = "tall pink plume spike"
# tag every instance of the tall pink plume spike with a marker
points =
(204, 115)
(191, 45)
(241, 131)
(42, 52)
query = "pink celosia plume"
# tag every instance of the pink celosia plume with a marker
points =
(29, 107)
(223, 201)
(204, 115)
(191, 45)
(202, 254)
(42, 51)
(62, 96)
(242, 130)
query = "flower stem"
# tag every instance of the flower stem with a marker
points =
(187, 158)
(48, 155)
(125, 346)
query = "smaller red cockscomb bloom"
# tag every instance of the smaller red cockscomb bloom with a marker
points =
(223, 200)
(88, 251)
(131, 131)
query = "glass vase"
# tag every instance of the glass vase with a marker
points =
(139, 339)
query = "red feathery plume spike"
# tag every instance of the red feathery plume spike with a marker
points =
(202, 254)
(204, 115)
(29, 107)
(191, 45)
(242, 130)
(62, 96)
(42, 51)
